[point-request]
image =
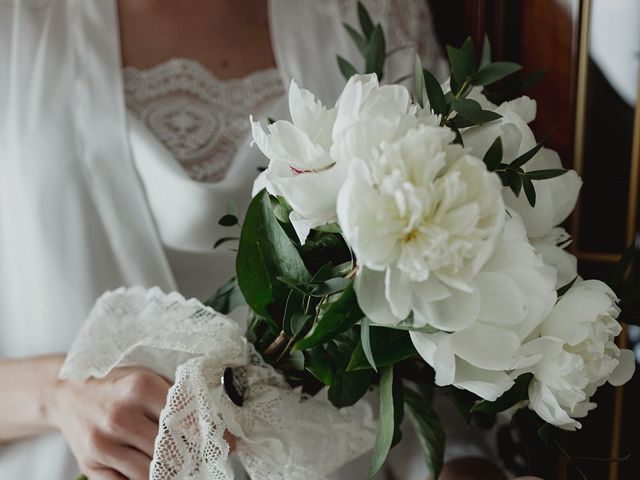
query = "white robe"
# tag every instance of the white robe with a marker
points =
(90, 200)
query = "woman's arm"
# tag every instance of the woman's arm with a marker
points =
(110, 424)
(27, 386)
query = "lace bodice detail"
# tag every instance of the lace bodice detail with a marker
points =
(199, 118)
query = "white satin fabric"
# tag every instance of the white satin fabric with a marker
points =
(90, 201)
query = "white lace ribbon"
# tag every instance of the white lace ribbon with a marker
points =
(282, 434)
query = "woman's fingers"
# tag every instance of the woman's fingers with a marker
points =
(147, 390)
(103, 474)
(129, 425)
(129, 462)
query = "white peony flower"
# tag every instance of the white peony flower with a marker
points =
(576, 354)
(424, 215)
(552, 248)
(309, 156)
(300, 168)
(511, 295)
(556, 197)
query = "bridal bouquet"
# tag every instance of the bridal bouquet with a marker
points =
(412, 243)
(402, 242)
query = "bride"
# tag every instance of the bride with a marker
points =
(123, 135)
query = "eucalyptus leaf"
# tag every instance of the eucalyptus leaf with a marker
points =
(525, 157)
(366, 342)
(349, 387)
(546, 174)
(494, 72)
(341, 315)
(469, 49)
(384, 435)
(529, 190)
(317, 362)
(471, 110)
(376, 53)
(346, 68)
(358, 39)
(388, 346)
(493, 157)
(515, 182)
(427, 425)
(398, 409)
(366, 24)
(331, 286)
(266, 253)
(296, 359)
(462, 66)
(227, 298)
(434, 92)
(565, 288)
(485, 58)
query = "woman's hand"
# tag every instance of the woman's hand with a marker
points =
(111, 424)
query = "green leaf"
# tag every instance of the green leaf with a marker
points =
(546, 174)
(419, 81)
(282, 213)
(398, 409)
(296, 359)
(228, 220)
(459, 122)
(227, 298)
(384, 436)
(493, 72)
(529, 190)
(493, 157)
(331, 286)
(349, 387)
(329, 228)
(376, 53)
(435, 93)
(358, 39)
(293, 284)
(223, 240)
(485, 59)
(515, 181)
(82, 477)
(346, 68)
(534, 79)
(365, 20)
(298, 322)
(318, 363)
(388, 346)
(515, 394)
(427, 425)
(472, 111)
(339, 317)
(525, 157)
(462, 65)
(469, 50)
(266, 253)
(365, 342)
(565, 288)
